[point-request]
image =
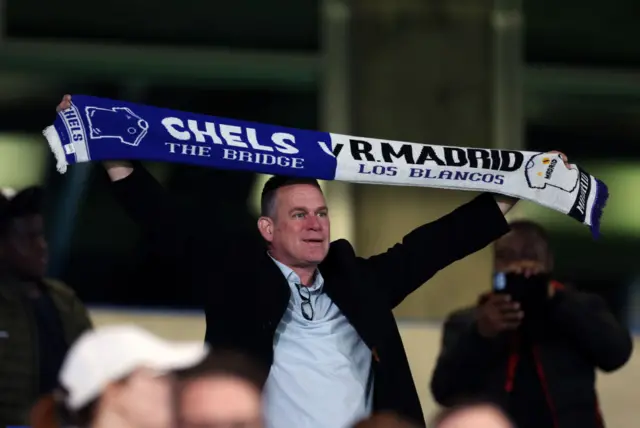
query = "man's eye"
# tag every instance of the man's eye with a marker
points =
(322, 214)
(298, 215)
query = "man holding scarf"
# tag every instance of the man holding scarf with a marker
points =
(319, 316)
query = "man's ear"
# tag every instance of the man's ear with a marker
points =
(266, 226)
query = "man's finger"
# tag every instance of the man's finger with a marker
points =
(64, 104)
(511, 317)
(498, 299)
(562, 156)
(508, 306)
(510, 325)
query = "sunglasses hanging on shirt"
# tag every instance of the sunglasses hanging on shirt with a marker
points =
(305, 307)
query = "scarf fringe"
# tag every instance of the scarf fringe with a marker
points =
(55, 144)
(602, 196)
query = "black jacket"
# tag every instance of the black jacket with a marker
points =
(580, 335)
(245, 293)
(20, 347)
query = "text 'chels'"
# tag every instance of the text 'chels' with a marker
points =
(229, 135)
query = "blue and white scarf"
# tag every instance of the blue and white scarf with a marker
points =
(97, 129)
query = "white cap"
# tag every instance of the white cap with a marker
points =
(111, 353)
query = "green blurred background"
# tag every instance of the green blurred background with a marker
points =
(535, 75)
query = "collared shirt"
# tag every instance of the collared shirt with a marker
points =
(321, 374)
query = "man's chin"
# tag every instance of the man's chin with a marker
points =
(316, 257)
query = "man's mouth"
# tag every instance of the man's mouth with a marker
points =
(313, 241)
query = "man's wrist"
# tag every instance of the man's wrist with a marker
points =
(505, 202)
(504, 198)
(118, 170)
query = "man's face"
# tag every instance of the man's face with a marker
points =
(299, 232)
(24, 247)
(219, 402)
(513, 253)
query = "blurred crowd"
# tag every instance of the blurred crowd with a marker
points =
(283, 348)
(124, 376)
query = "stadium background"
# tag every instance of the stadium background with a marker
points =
(525, 74)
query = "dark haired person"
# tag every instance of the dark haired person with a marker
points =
(39, 317)
(535, 350)
(385, 420)
(224, 390)
(319, 316)
(472, 415)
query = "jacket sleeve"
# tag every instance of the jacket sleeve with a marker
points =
(585, 318)
(153, 209)
(464, 359)
(426, 250)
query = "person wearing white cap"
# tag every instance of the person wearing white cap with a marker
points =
(115, 377)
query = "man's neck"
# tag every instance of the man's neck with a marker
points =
(305, 273)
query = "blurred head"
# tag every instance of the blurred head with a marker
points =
(118, 375)
(140, 400)
(219, 402)
(295, 221)
(224, 391)
(23, 246)
(472, 416)
(385, 420)
(525, 245)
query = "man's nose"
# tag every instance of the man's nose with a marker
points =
(313, 222)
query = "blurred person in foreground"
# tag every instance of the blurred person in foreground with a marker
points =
(534, 350)
(385, 420)
(317, 315)
(117, 377)
(39, 317)
(223, 391)
(478, 415)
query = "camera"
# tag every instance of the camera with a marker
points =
(528, 291)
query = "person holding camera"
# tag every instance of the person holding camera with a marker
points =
(532, 345)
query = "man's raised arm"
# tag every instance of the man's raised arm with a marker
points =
(429, 248)
(146, 202)
(433, 246)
